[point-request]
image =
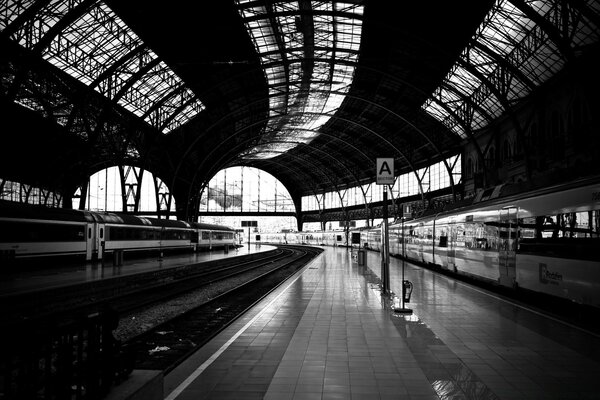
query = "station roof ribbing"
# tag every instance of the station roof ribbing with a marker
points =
(309, 91)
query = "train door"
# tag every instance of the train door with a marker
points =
(452, 244)
(90, 241)
(100, 240)
(508, 246)
(194, 239)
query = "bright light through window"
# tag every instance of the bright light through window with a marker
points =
(302, 99)
(100, 50)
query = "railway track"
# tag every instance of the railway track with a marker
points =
(65, 341)
(128, 292)
(206, 276)
(167, 344)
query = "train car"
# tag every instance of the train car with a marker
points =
(35, 231)
(28, 232)
(544, 241)
(316, 238)
(132, 233)
(210, 236)
(320, 238)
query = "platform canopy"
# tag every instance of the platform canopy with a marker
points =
(312, 92)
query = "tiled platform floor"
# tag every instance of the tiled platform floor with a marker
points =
(329, 334)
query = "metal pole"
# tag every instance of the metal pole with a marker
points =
(402, 308)
(106, 189)
(385, 275)
(403, 255)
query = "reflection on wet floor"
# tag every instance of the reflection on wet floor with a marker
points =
(448, 375)
(331, 334)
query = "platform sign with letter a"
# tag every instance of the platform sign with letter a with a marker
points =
(385, 171)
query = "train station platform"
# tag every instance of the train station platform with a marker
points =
(53, 273)
(328, 333)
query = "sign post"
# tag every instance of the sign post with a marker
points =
(385, 177)
(249, 224)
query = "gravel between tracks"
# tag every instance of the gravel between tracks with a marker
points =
(138, 322)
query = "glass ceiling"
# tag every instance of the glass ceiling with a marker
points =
(97, 48)
(508, 41)
(309, 57)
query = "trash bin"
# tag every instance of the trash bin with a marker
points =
(407, 288)
(361, 257)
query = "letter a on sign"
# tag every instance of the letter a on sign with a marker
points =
(385, 171)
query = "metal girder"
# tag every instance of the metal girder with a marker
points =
(554, 33)
(131, 191)
(109, 72)
(506, 68)
(162, 198)
(504, 102)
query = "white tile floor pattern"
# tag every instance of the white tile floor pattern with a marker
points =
(331, 335)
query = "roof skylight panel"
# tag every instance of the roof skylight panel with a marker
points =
(316, 100)
(462, 80)
(480, 60)
(10, 10)
(88, 46)
(501, 34)
(582, 30)
(506, 31)
(448, 97)
(92, 44)
(189, 111)
(47, 17)
(436, 110)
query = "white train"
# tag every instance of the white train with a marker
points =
(34, 231)
(546, 241)
(333, 238)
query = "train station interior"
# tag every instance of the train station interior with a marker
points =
(454, 142)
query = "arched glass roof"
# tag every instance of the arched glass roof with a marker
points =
(311, 92)
(308, 53)
(518, 46)
(89, 42)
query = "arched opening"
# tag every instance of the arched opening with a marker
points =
(115, 189)
(238, 194)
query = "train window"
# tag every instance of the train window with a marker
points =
(568, 225)
(101, 233)
(443, 241)
(526, 228)
(484, 236)
(40, 232)
(573, 235)
(89, 233)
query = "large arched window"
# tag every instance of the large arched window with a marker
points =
(247, 190)
(115, 189)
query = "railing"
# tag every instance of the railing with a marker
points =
(73, 359)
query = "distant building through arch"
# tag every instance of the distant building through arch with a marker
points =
(235, 191)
